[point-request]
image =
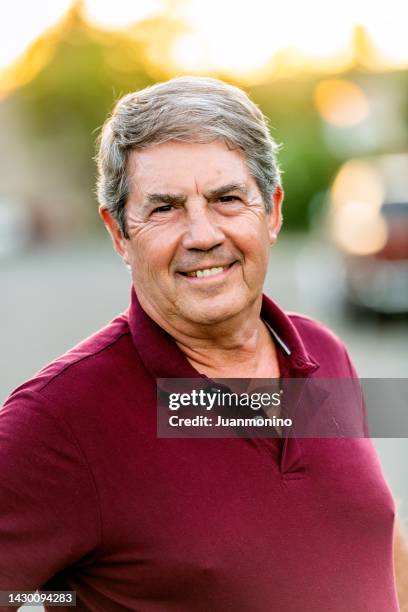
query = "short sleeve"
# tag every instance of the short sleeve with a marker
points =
(49, 513)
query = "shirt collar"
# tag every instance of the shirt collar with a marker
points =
(163, 358)
(288, 339)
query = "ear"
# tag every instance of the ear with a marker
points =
(120, 244)
(275, 216)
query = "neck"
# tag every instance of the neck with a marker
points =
(238, 347)
(249, 353)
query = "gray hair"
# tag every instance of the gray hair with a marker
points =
(186, 109)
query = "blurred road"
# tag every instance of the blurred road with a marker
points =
(53, 298)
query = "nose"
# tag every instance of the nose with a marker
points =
(202, 232)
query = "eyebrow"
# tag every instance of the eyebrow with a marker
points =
(179, 199)
(166, 198)
(173, 199)
(224, 189)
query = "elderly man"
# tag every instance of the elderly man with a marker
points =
(91, 500)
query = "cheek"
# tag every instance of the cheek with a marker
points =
(253, 242)
(152, 253)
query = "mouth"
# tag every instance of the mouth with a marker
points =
(211, 272)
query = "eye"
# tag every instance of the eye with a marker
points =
(229, 198)
(163, 209)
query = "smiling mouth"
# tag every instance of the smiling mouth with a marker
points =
(206, 272)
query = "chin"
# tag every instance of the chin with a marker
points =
(212, 314)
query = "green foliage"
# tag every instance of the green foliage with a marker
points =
(306, 163)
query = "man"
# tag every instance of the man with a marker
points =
(91, 499)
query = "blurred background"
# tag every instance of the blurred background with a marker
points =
(333, 81)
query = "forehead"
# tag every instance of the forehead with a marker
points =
(187, 167)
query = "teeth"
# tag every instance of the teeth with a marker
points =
(206, 272)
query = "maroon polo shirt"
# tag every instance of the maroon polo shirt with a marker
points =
(92, 501)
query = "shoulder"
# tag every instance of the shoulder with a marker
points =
(324, 346)
(313, 330)
(82, 368)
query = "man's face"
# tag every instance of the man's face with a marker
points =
(199, 235)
